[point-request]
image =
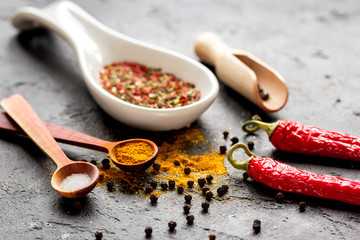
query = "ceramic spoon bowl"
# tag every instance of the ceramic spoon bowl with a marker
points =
(96, 45)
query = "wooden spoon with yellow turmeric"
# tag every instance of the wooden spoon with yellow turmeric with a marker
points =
(132, 155)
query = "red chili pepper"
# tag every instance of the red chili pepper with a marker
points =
(286, 178)
(295, 137)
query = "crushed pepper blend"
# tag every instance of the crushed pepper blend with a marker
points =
(147, 87)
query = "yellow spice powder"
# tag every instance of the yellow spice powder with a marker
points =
(179, 149)
(201, 165)
(133, 152)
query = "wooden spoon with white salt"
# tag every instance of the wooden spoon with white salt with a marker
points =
(71, 179)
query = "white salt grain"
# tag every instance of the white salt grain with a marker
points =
(75, 181)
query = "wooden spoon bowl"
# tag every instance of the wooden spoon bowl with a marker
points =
(75, 167)
(138, 167)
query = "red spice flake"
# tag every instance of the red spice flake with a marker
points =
(147, 87)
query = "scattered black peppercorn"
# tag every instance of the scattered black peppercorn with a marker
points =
(251, 145)
(101, 177)
(153, 198)
(209, 194)
(148, 190)
(245, 176)
(220, 191)
(279, 197)
(190, 183)
(205, 189)
(153, 184)
(110, 186)
(186, 208)
(164, 186)
(225, 134)
(106, 163)
(148, 231)
(209, 178)
(180, 189)
(171, 184)
(205, 206)
(176, 163)
(125, 187)
(190, 219)
(257, 225)
(172, 225)
(234, 140)
(94, 162)
(156, 166)
(98, 235)
(201, 182)
(187, 170)
(212, 236)
(222, 149)
(188, 198)
(226, 187)
(264, 96)
(302, 206)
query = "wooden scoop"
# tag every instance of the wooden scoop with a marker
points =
(243, 72)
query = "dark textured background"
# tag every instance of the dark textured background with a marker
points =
(313, 44)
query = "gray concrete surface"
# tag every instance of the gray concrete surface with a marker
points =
(313, 44)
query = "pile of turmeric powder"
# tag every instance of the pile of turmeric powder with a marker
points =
(201, 165)
(173, 156)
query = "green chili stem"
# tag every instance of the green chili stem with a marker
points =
(253, 125)
(237, 164)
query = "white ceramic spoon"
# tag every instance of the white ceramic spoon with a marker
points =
(97, 45)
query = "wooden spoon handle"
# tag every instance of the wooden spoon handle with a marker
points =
(209, 46)
(23, 114)
(61, 134)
